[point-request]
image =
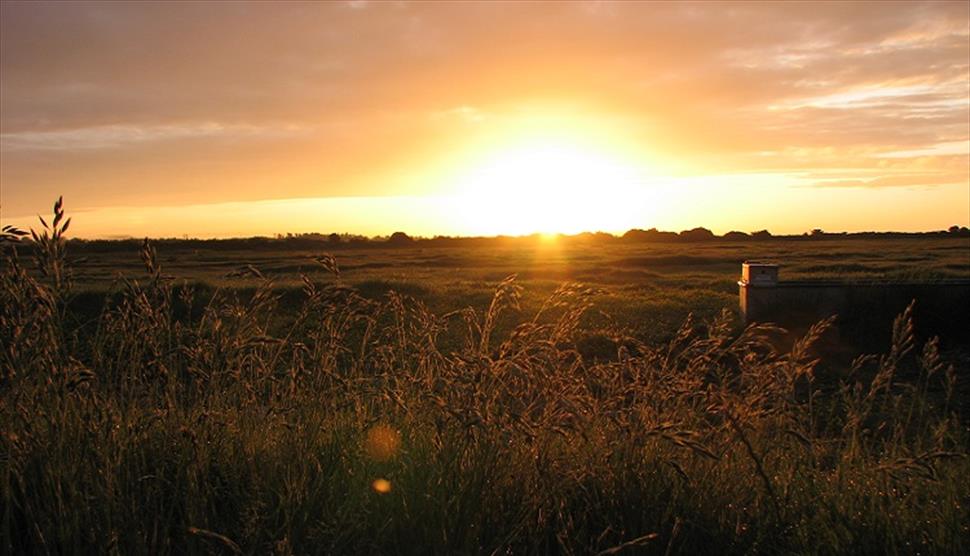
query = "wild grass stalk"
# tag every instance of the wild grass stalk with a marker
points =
(167, 426)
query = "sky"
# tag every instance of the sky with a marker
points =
(240, 119)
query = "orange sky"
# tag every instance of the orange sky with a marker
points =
(227, 119)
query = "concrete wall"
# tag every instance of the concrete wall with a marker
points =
(865, 311)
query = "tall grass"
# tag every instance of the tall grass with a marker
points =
(167, 425)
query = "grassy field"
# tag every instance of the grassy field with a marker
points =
(648, 288)
(171, 400)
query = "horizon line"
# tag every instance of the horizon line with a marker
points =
(683, 235)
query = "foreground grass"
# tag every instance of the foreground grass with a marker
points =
(352, 429)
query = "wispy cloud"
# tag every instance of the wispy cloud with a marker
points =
(939, 149)
(120, 136)
(927, 179)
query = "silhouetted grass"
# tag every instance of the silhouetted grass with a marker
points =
(341, 419)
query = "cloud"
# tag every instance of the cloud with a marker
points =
(951, 147)
(899, 180)
(119, 136)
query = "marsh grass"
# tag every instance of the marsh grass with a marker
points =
(169, 425)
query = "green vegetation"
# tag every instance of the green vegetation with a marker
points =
(438, 408)
(649, 288)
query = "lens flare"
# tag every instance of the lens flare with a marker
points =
(381, 486)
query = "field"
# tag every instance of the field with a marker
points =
(650, 288)
(169, 398)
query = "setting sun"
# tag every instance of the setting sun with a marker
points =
(550, 186)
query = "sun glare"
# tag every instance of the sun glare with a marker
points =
(550, 186)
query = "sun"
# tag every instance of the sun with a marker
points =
(551, 186)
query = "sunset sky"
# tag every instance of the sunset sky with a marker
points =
(239, 119)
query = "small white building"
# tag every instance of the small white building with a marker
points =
(754, 273)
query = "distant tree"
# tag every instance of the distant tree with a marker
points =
(736, 236)
(697, 234)
(334, 238)
(592, 237)
(652, 235)
(400, 238)
(761, 234)
(603, 237)
(817, 232)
